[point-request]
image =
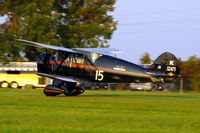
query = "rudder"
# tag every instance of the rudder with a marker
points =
(167, 63)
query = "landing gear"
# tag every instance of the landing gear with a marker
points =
(75, 92)
(51, 90)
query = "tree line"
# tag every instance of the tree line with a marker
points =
(190, 71)
(69, 23)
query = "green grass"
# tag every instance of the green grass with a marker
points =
(99, 112)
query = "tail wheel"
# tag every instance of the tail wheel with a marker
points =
(14, 85)
(4, 84)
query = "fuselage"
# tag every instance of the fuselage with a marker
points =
(104, 68)
(69, 66)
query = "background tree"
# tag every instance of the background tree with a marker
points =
(8, 51)
(190, 71)
(85, 23)
(145, 58)
(71, 23)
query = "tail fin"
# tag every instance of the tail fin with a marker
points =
(167, 64)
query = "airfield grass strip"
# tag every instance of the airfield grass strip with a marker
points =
(23, 111)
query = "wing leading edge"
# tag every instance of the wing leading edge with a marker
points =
(104, 51)
(54, 76)
(41, 45)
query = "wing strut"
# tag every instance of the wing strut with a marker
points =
(36, 52)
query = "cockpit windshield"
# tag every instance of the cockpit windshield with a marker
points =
(60, 56)
(80, 59)
(72, 58)
(94, 56)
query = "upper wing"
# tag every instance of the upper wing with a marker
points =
(47, 46)
(54, 76)
(104, 51)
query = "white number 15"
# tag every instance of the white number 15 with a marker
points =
(99, 75)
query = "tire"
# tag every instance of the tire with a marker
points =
(77, 92)
(14, 85)
(4, 84)
(51, 90)
(49, 93)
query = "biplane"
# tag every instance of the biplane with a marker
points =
(68, 67)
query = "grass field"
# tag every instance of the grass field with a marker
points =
(99, 112)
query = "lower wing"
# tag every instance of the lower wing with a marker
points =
(63, 78)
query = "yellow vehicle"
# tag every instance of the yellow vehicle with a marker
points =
(21, 74)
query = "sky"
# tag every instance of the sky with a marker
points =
(157, 26)
(3, 19)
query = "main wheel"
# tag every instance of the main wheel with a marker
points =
(77, 91)
(48, 93)
(51, 90)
